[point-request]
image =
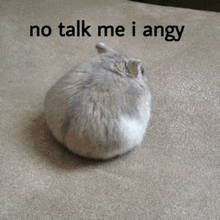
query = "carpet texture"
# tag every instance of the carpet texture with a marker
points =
(174, 175)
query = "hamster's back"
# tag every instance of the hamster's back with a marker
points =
(88, 108)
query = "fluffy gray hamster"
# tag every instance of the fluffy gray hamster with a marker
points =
(101, 108)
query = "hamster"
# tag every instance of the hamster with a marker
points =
(101, 108)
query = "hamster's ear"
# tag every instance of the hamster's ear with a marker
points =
(134, 66)
(103, 48)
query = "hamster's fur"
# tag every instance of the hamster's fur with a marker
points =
(101, 108)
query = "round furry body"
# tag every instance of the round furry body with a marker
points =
(101, 108)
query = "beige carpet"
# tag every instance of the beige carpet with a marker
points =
(176, 173)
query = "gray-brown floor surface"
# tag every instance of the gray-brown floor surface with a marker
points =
(174, 175)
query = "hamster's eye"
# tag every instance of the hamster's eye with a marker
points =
(142, 70)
